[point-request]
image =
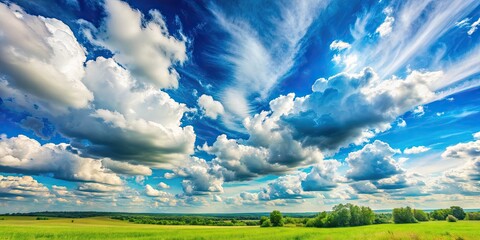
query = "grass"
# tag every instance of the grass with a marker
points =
(105, 228)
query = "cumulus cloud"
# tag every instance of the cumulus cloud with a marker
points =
(42, 58)
(100, 188)
(386, 27)
(416, 150)
(339, 45)
(152, 192)
(476, 136)
(26, 186)
(322, 176)
(419, 111)
(373, 162)
(146, 48)
(199, 177)
(351, 108)
(126, 168)
(469, 152)
(210, 107)
(401, 123)
(128, 124)
(22, 154)
(163, 185)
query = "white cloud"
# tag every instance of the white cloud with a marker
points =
(152, 192)
(100, 188)
(339, 45)
(419, 111)
(322, 177)
(260, 53)
(210, 107)
(351, 108)
(401, 123)
(146, 48)
(373, 162)
(126, 168)
(23, 154)
(128, 124)
(415, 150)
(386, 27)
(474, 27)
(26, 186)
(41, 57)
(199, 177)
(476, 135)
(163, 185)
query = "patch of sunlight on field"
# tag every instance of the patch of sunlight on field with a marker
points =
(105, 228)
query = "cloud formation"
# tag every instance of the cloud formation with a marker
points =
(41, 57)
(23, 154)
(143, 46)
(211, 108)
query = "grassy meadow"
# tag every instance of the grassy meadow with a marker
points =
(106, 228)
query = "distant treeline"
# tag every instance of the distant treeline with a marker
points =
(342, 215)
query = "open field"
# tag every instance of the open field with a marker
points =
(105, 228)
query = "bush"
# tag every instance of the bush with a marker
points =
(383, 218)
(451, 218)
(403, 215)
(420, 215)
(276, 218)
(266, 223)
(42, 218)
(263, 219)
(472, 216)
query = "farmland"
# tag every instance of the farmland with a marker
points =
(20, 227)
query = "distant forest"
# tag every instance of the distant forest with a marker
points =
(342, 215)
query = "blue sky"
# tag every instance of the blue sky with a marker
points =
(238, 106)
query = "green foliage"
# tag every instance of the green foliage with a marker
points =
(41, 218)
(276, 218)
(440, 214)
(382, 218)
(403, 215)
(266, 223)
(472, 216)
(420, 215)
(451, 218)
(343, 215)
(263, 219)
(457, 212)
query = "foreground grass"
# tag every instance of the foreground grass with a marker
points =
(104, 228)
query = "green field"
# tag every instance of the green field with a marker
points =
(105, 228)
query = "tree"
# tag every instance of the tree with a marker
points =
(420, 215)
(403, 215)
(440, 214)
(457, 212)
(276, 218)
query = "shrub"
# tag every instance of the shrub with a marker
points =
(403, 215)
(420, 215)
(263, 219)
(451, 218)
(383, 218)
(266, 223)
(276, 218)
(472, 216)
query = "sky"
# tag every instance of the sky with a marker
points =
(238, 106)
